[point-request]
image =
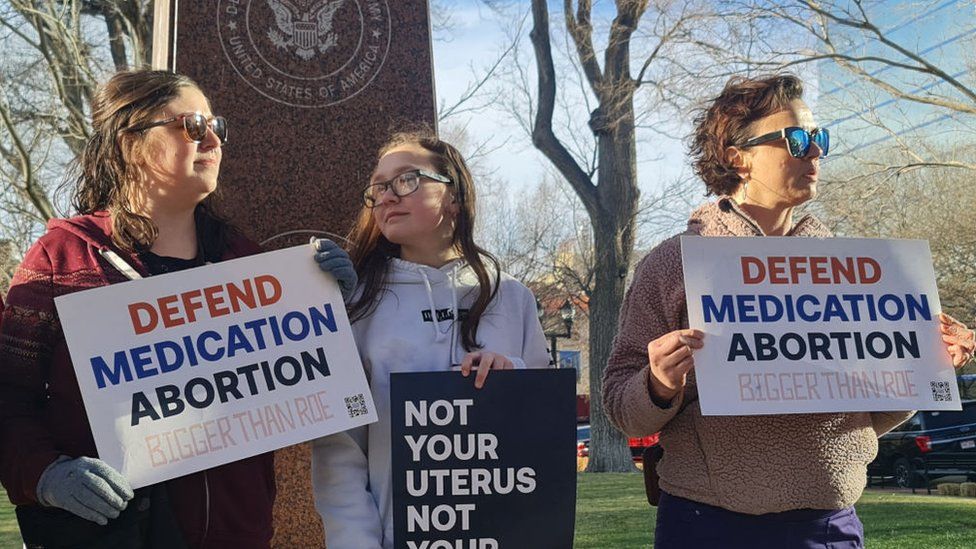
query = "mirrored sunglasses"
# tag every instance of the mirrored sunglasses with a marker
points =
(798, 140)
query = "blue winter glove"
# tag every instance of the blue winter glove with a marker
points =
(335, 261)
(84, 486)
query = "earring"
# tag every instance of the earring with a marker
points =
(743, 193)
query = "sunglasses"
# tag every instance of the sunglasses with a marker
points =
(401, 185)
(195, 126)
(798, 140)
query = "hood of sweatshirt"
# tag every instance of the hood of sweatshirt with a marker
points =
(95, 229)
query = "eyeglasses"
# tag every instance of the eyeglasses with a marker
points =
(798, 140)
(194, 126)
(401, 185)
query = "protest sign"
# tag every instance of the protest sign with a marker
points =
(186, 371)
(484, 468)
(798, 325)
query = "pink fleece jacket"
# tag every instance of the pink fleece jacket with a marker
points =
(747, 464)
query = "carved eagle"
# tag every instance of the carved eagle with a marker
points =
(294, 22)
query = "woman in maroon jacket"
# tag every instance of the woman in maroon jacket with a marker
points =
(145, 195)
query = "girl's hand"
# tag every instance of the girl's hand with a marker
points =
(960, 341)
(670, 360)
(482, 362)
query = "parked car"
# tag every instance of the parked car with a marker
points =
(967, 386)
(636, 445)
(927, 446)
(583, 441)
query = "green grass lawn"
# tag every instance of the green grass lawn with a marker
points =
(905, 520)
(9, 534)
(611, 512)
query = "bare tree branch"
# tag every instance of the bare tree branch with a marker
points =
(542, 135)
(580, 28)
(865, 24)
(462, 105)
(48, 84)
(29, 183)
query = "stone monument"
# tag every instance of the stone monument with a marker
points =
(310, 89)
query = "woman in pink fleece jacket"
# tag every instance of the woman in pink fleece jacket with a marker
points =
(742, 481)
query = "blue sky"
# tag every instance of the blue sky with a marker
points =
(944, 33)
(476, 39)
(944, 30)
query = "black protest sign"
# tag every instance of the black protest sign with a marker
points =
(490, 468)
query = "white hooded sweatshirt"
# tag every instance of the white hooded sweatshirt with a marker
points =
(412, 330)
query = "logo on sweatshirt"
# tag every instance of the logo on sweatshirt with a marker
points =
(443, 315)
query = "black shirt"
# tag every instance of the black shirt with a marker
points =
(159, 264)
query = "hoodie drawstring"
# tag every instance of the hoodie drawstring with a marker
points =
(438, 336)
(116, 261)
(457, 315)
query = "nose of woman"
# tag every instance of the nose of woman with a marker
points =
(210, 141)
(815, 150)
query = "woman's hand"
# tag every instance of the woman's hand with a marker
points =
(960, 341)
(670, 359)
(482, 362)
(86, 487)
(335, 261)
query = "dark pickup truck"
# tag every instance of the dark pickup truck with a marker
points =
(927, 446)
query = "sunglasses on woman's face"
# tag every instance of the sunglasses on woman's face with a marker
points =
(798, 140)
(195, 126)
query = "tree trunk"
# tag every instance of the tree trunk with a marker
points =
(116, 37)
(608, 446)
(613, 233)
(611, 203)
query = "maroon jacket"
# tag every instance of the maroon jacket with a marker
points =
(42, 414)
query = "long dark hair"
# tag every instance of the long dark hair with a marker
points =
(371, 251)
(109, 165)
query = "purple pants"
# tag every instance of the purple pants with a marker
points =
(686, 524)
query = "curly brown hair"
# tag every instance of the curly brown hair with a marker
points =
(725, 122)
(371, 251)
(109, 166)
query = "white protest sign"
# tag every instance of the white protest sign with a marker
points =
(186, 371)
(799, 325)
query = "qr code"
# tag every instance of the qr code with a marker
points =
(941, 391)
(356, 405)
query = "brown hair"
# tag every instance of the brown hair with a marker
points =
(726, 123)
(109, 165)
(371, 251)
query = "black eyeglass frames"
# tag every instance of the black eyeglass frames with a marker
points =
(402, 185)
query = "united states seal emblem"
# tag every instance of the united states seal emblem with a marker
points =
(309, 29)
(305, 53)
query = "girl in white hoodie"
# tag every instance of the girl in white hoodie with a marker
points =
(426, 301)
